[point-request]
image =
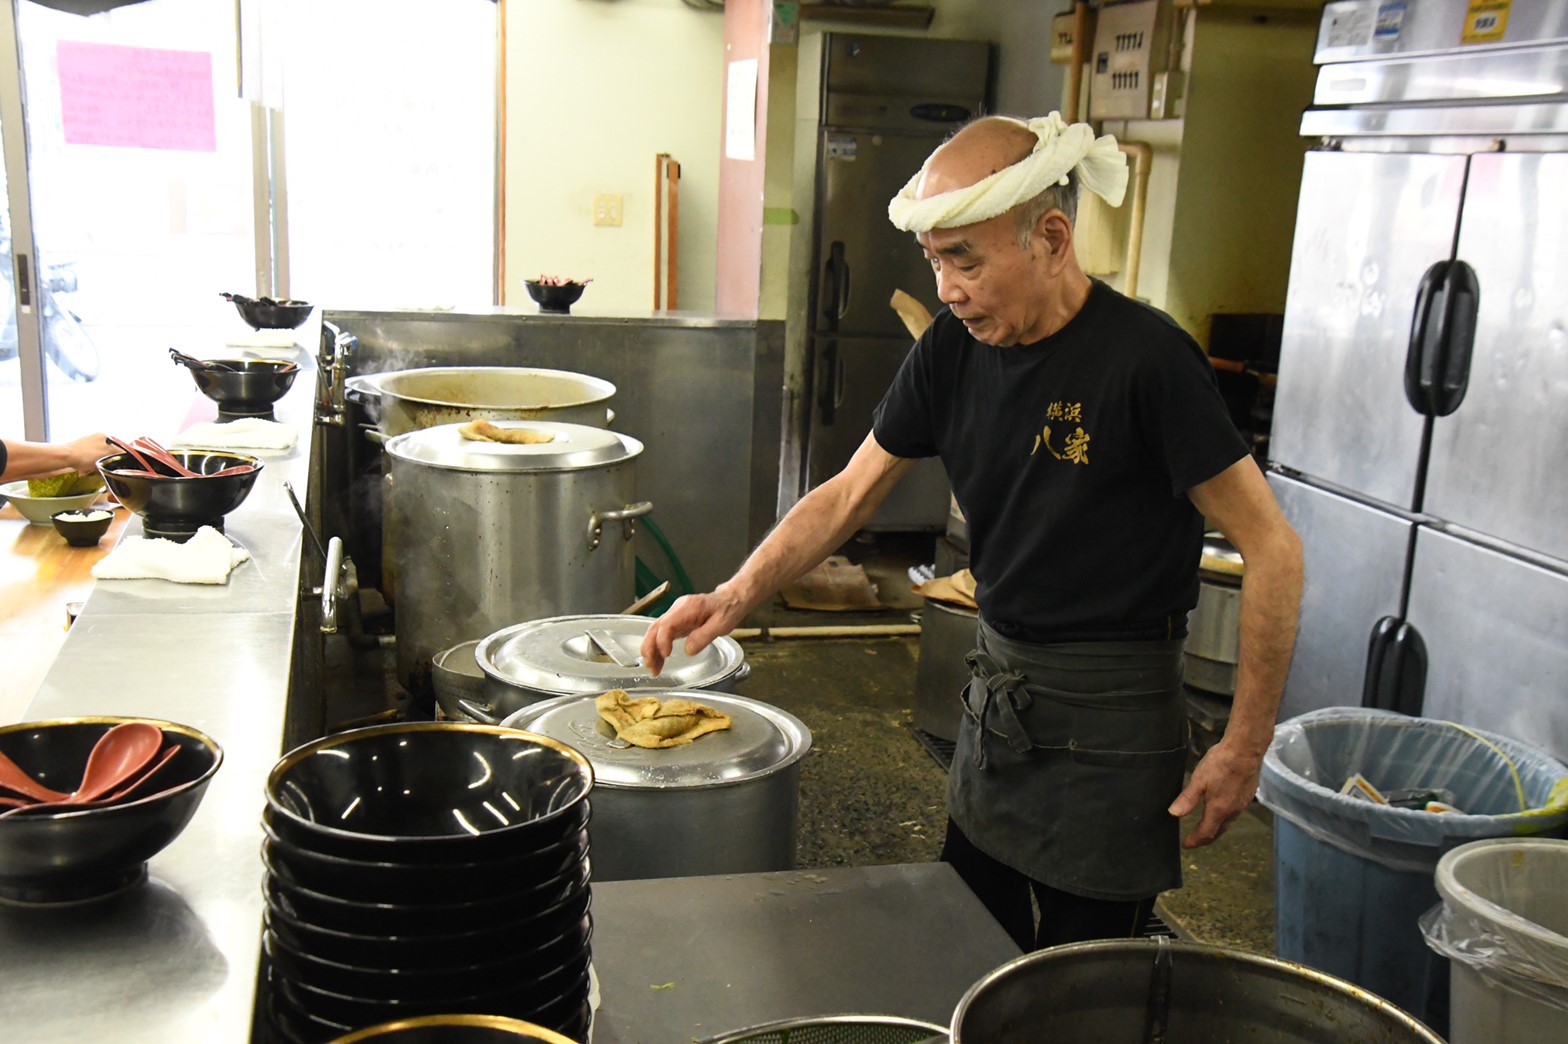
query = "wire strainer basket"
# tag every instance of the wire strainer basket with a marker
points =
(838, 1029)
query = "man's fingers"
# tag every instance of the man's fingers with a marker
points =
(1186, 801)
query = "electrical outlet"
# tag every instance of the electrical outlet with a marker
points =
(607, 210)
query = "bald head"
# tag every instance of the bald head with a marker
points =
(979, 150)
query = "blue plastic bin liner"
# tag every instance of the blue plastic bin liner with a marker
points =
(1353, 878)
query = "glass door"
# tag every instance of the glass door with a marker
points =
(139, 166)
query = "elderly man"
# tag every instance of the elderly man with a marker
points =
(1086, 442)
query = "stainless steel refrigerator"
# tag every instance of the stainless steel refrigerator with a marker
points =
(872, 108)
(1421, 419)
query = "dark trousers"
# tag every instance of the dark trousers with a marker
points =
(1064, 917)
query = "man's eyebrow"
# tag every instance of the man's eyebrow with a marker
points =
(962, 248)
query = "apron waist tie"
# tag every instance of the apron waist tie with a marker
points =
(1004, 691)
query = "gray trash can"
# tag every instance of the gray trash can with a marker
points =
(1503, 925)
(1353, 878)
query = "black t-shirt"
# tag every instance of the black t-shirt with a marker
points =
(1070, 459)
(4, 455)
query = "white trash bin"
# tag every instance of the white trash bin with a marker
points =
(1503, 925)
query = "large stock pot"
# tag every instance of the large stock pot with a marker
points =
(404, 400)
(728, 803)
(491, 533)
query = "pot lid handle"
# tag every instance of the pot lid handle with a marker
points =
(608, 644)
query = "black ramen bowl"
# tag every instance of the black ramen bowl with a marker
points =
(557, 298)
(248, 387)
(426, 792)
(86, 852)
(82, 527)
(175, 506)
(454, 1029)
(551, 934)
(419, 883)
(534, 917)
(267, 314)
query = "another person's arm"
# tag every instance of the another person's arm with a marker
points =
(32, 459)
(813, 528)
(1240, 504)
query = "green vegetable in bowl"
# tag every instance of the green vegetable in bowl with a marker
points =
(64, 485)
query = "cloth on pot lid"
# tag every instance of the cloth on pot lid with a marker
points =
(483, 431)
(206, 558)
(1059, 147)
(243, 434)
(648, 722)
(958, 589)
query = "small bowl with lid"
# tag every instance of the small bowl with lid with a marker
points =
(725, 803)
(527, 663)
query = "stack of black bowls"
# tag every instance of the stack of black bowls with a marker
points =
(427, 868)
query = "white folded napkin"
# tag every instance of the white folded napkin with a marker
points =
(206, 558)
(244, 433)
(263, 339)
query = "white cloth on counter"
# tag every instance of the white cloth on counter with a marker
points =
(263, 339)
(206, 558)
(244, 433)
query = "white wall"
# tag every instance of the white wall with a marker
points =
(595, 90)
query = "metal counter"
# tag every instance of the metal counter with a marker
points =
(175, 960)
(682, 959)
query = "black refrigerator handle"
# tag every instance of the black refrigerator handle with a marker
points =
(1396, 668)
(1442, 338)
(830, 384)
(835, 284)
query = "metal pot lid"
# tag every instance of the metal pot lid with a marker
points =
(761, 740)
(592, 654)
(572, 447)
(1220, 559)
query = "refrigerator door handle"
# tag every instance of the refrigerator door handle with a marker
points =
(1396, 668)
(835, 280)
(1461, 305)
(1442, 338)
(830, 393)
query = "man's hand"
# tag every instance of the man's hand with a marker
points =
(698, 618)
(1223, 782)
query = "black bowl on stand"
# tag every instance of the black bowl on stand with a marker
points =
(264, 313)
(556, 298)
(245, 387)
(174, 506)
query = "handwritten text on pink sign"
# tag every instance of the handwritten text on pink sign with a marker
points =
(139, 97)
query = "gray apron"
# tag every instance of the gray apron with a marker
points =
(1068, 756)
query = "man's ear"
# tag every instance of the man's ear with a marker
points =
(1056, 232)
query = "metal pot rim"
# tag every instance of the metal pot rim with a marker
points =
(376, 384)
(725, 649)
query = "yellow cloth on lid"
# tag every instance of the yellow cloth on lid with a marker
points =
(646, 722)
(484, 431)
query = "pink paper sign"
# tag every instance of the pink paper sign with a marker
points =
(139, 97)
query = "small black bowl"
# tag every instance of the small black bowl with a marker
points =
(83, 527)
(248, 388)
(429, 792)
(83, 853)
(174, 506)
(267, 314)
(557, 299)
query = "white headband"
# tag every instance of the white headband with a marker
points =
(1100, 165)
